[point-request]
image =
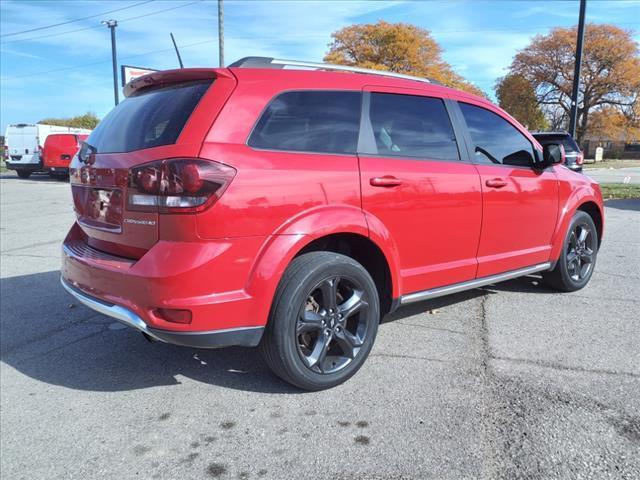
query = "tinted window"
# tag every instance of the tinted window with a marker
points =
(148, 119)
(411, 126)
(318, 121)
(495, 139)
(567, 142)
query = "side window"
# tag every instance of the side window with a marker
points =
(495, 139)
(310, 121)
(412, 126)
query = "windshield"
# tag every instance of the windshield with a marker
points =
(149, 118)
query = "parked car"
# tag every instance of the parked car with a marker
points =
(24, 144)
(573, 154)
(292, 209)
(59, 149)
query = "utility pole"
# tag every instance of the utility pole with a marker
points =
(112, 24)
(220, 34)
(576, 71)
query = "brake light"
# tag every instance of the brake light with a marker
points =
(177, 185)
(580, 158)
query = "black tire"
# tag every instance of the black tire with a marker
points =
(23, 173)
(301, 327)
(578, 258)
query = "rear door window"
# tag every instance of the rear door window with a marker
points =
(412, 126)
(496, 140)
(149, 118)
(310, 121)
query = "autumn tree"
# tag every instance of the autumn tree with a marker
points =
(395, 47)
(610, 122)
(517, 96)
(610, 74)
(88, 120)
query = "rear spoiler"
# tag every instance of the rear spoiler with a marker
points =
(168, 77)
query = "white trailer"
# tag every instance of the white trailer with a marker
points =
(24, 142)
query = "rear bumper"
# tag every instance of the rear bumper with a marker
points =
(244, 336)
(57, 170)
(207, 278)
(25, 167)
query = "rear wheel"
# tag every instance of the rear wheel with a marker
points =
(323, 321)
(578, 259)
(23, 173)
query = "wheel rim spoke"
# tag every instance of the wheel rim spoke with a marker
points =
(348, 342)
(319, 352)
(584, 232)
(309, 321)
(329, 289)
(353, 304)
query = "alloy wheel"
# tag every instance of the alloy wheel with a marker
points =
(581, 250)
(332, 324)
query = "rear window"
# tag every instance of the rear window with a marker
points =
(568, 143)
(149, 118)
(310, 121)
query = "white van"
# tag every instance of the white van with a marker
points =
(24, 142)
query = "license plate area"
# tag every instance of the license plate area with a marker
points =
(99, 208)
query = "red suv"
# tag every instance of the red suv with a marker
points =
(293, 208)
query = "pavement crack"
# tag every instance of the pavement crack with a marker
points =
(411, 357)
(25, 247)
(559, 366)
(61, 347)
(50, 333)
(441, 329)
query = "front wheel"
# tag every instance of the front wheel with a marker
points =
(323, 321)
(23, 173)
(578, 259)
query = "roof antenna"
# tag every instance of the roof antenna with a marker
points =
(177, 51)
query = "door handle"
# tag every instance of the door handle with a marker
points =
(496, 183)
(386, 181)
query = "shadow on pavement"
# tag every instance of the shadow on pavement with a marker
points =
(35, 177)
(45, 335)
(631, 204)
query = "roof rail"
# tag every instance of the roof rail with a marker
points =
(268, 62)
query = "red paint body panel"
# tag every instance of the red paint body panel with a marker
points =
(441, 225)
(434, 217)
(59, 149)
(518, 220)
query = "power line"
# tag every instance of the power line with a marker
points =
(74, 20)
(74, 67)
(100, 26)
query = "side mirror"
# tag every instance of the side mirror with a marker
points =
(553, 154)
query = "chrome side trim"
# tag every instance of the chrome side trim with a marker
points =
(121, 314)
(471, 284)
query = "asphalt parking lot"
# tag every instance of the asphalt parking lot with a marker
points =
(511, 381)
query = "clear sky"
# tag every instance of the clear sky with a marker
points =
(66, 70)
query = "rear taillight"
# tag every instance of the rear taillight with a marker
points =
(580, 158)
(177, 185)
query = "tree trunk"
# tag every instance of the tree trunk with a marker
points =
(581, 131)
